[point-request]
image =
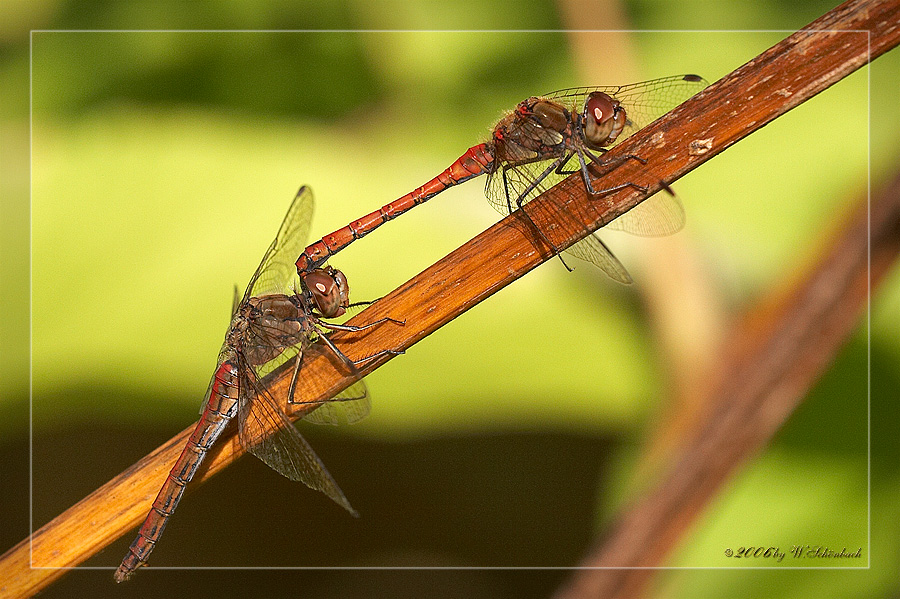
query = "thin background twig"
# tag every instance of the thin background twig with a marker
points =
(767, 366)
(765, 370)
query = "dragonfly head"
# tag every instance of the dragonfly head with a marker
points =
(604, 118)
(326, 290)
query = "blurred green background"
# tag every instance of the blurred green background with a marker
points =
(161, 165)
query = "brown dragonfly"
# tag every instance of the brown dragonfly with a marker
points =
(545, 139)
(278, 318)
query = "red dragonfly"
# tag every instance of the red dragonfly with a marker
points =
(272, 324)
(541, 142)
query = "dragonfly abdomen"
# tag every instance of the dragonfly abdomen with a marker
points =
(220, 408)
(478, 160)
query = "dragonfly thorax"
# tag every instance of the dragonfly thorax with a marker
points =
(537, 128)
(275, 306)
(551, 115)
(265, 325)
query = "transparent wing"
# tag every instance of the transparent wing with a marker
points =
(644, 102)
(236, 301)
(593, 250)
(347, 407)
(277, 273)
(266, 432)
(659, 215)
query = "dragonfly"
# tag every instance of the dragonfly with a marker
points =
(279, 318)
(544, 140)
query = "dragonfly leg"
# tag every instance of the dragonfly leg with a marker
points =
(666, 188)
(568, 268)
(562, 171)
(341, 356)
(509, 208)
(296, 372)
(353, 329)
(366, 303)
(376, 355)
(599, 162)
(602, 163)
(352, 364)
(521, 201)
(585, 175)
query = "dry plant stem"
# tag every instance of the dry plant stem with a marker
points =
(744, 101)
(770, 362)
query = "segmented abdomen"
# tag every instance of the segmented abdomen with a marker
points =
(221, 406)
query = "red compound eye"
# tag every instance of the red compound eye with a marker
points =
(604, 119)
(599, 108)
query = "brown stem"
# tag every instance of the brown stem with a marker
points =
(771, 359)
(731, 109)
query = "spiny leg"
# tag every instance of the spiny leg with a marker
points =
(355, 328)
(382, 353)
(584, 174)
(603, 163)
(505, 167)
(366, 303)
(294, 375)
(352, 364)
(616, 161)
(520, 201)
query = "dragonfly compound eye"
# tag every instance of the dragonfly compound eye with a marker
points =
(328, 289)
(342, 285)
(604, 120)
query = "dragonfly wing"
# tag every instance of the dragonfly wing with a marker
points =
(659, 215)
(593, 250)
(347, 407)
(266, 432)
(236, 301)
(277, 273)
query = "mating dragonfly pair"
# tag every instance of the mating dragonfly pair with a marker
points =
(283, 310)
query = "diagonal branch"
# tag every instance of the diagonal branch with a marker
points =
(731, 109)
